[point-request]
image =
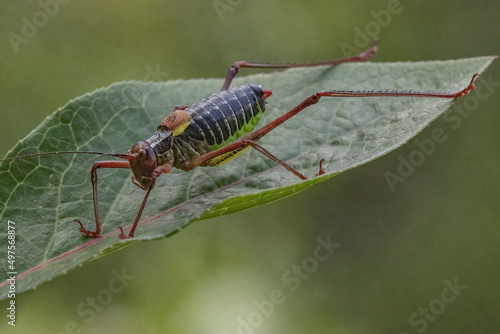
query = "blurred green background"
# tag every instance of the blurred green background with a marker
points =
(396, 248)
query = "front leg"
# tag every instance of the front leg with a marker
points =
(93, 178)
(157, 172)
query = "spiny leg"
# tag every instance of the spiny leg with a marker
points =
(93, 178)
(233, 70)
(313, 99)
(251, 138)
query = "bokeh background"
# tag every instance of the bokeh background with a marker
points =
(397, 248)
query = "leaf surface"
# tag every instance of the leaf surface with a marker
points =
(44, 195)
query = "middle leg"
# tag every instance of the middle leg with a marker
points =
(233, 70)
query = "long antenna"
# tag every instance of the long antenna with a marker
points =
(122, 156)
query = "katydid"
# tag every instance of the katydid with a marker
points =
(217, 129)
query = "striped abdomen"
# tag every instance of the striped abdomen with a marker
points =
(226, 116)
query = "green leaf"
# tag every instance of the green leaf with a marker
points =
(44, 195)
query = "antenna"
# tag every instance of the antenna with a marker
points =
(122, 156)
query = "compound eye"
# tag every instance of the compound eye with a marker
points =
(142, 154)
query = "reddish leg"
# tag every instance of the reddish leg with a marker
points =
(132, 230)
(93, 178)
(321, 170)
(313, 99)
(233, 70)
(251, 138)
(118, 164)
(157, 172)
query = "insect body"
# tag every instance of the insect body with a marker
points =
(208, 125)
(216, 129)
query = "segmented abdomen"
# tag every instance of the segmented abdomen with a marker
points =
(226, 116)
